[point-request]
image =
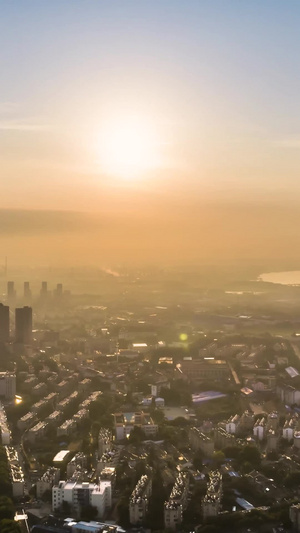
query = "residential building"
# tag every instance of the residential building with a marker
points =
(139, 499)
(7, 385)
(177, 502)
(201, 441)
(211, 503)
(46, 482)
(125, 422)
(79, 495)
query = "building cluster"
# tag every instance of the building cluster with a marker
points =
(23, 324)
(177, 502)
(139, 500)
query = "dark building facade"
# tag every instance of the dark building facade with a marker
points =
(4, 323)
(23, 325)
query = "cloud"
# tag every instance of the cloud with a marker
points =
(289, 142)
(12, 125)
(8, 107)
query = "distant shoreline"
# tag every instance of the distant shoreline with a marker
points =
(283, 278)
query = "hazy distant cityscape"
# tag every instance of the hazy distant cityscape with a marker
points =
(156, 404)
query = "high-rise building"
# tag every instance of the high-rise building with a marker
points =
(59, 290)
(44, 289)
(27, 291)
(11, 293)
(4, 323)
(23, 325)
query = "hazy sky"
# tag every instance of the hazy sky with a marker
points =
(214, 88)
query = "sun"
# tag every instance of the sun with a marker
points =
(129, 147)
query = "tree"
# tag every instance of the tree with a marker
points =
(137, 435)
(250, 454)
(88, 513)
(9, 526)
(197, 460)
(218, 458)
(6, 508)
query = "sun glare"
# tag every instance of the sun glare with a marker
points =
(129, 148)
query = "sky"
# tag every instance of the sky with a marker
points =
(156, 125)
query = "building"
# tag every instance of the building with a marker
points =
(69, 525)
(46, 482)
(109, 474)
(222, 438)
(177, 502)
(36, 432)
(59, 290)
(80, 495)
(207, 369)
(201, 441)
(27, 292)
(233, 424)
(104, 441)
(108, 459)
(125, 422)
(259, 429)
(4, 429)
(139, 499)
(23, 325)
(4, 323)
(78, 462)
(16, 472)
(67, 427)
(272, 440)
(11, 293)
(44, 290)
(26, 421)
(211, 503)
(7, 385)
(295, 516)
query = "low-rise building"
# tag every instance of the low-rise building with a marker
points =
(201, 441)
(260, 428)
(36, 432)
(211, 503)
(104, 441)
(139, 499)
(4, 428)
(67, 428)
(16, 472)
(79, 495)
(26, 421)
(233, 424)
(46, 482)
(294, 514)
(125, 422)
(177, 502)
